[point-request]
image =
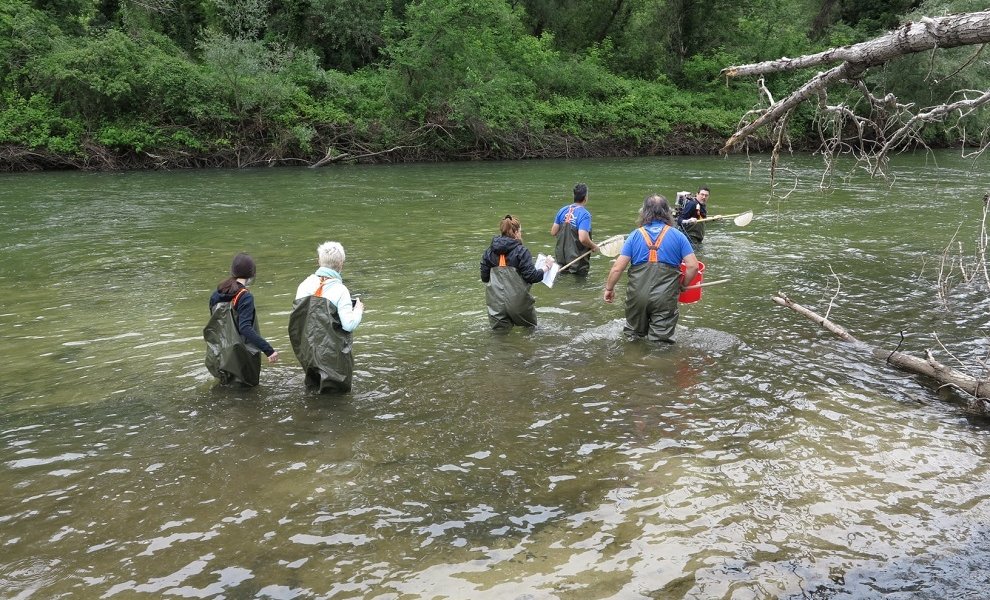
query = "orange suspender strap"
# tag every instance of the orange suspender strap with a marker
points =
(237, 296)
(501, 260)
(319, 288)
(653, 246)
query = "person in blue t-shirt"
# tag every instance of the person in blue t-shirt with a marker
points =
(655, 250)
(572, 228)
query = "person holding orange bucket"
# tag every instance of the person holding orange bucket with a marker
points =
(654, 253)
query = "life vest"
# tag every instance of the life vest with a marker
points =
(654, 246)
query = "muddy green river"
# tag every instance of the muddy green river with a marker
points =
(758, 457)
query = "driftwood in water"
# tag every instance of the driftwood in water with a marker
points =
(978, 388)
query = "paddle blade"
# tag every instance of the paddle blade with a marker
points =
(743, 219)
(612, 246)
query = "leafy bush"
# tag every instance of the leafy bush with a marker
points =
(36, 123)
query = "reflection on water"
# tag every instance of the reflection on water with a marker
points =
(758, 457)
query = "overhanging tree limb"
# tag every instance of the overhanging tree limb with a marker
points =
(926, 34)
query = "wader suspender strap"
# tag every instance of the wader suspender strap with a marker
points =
(653, 246)
(570, 215)
(237, 296)
(319, 288)
(501, 260)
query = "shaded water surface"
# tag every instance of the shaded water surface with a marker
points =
(759, 457)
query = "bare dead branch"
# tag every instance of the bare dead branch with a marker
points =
(838, 287)
(963, 66)
(952, 31)
(894, 125)
(978, 389)
(933, 114)
(785, 106)
(331, 158)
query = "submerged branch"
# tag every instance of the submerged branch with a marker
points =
(977, 388)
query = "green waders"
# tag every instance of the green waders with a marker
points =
(508, 298)
(569, 247)
(651, 296)
(695, 232)
(321, 344)
(228, 357)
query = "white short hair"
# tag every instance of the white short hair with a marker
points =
(331, 255)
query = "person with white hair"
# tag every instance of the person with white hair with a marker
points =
(323, 317)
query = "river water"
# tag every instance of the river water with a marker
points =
(759, 457)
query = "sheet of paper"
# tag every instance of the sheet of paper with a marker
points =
(549, 275)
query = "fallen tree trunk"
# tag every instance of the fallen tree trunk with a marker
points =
(978, 389)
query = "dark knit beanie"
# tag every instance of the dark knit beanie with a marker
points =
(243, 266)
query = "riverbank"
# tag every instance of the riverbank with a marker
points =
(682, 141)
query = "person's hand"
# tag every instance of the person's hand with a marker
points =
(691, 220)
(609, 295)
(358, 305)
(549, 262)
(594, 247)
(273, 358)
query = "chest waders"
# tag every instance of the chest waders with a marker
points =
(228, 357)
(651, 295)
(320, 343)
(569, 246)
(695, 232)
(508, 298)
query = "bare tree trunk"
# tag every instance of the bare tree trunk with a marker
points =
(978, 389)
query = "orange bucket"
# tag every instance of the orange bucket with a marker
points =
(689, 296)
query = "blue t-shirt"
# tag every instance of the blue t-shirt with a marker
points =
(673, 249)
(581, 219)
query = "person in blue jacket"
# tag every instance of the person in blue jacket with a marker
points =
(242, 270)
(654, 253)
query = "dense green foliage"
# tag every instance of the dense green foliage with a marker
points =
(118, 83)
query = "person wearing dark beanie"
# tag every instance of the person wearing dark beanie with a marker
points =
(242, 270)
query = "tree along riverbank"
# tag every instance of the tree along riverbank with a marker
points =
(243, 83)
